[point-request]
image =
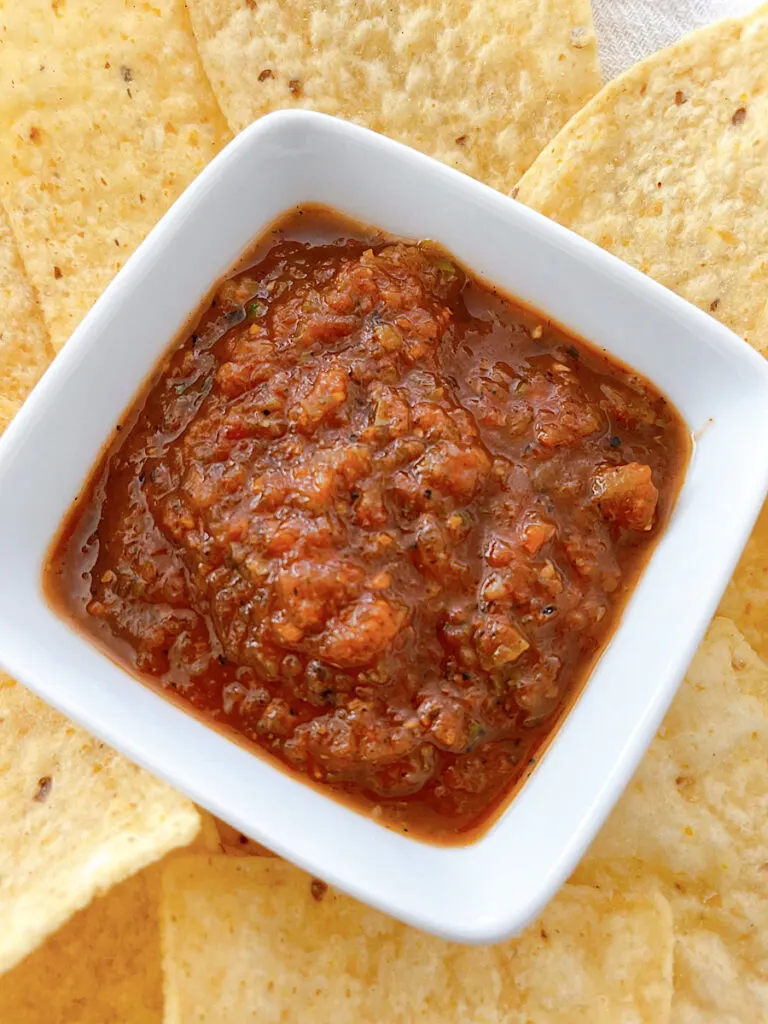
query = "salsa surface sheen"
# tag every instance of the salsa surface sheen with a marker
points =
(375, 518)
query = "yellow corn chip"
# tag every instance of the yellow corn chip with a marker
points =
(668, 168)
(24, 346)
(746, 599)
(106, 116)
(208, 839)
(255, 939)
(720, 975)
(75, 818)
(235, 844)
(102, 967)
(698, 805)
(479, 85)
(694, 822)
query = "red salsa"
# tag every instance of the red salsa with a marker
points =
(376, 519)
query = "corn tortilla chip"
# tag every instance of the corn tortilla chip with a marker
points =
(106, 116)
(479, 85)
(694, 822)
(667, 168)
(208, 839)
(102, 967)
(75, 819)
(24, 346)
(255, 939)
(235, 844)
(720, 969)
(746, 599)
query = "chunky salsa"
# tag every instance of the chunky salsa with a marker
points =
(376, 519)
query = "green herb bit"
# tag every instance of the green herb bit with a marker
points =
(255, 310)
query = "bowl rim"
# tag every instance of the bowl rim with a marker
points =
(436, 867)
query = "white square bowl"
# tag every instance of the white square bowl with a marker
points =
(490, 889)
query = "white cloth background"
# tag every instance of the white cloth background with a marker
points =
(628, 30)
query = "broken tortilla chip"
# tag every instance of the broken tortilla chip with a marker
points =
(479, 85)
(257, 939)
(75, 819)
(667, 168)
(106, 116)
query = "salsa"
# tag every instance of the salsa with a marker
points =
(376, 519)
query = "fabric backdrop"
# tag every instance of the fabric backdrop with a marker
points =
(629, 30)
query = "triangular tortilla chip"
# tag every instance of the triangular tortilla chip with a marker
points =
(667, 168)
(106, 116)
(102, 967)
(480, 85)
(75, 819)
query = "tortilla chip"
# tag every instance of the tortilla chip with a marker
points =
(103, 967)
(76, 819)
(698, 805)
(720, 975)
(479, 85)
(24, 346)
(208, 840)
(257, 939)
(106, 116)
(667, 168)
(746, 599)
(235, 844)
(694, 822)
